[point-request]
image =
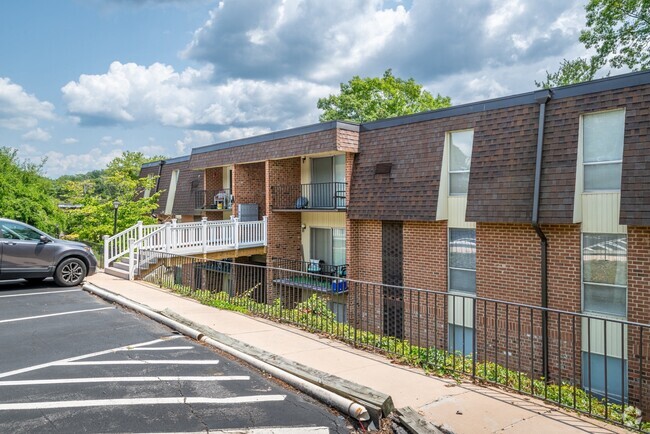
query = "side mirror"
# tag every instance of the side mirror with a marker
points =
(44, 239)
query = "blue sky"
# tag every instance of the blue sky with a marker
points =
(83, 80)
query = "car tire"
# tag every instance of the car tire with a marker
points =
(70, 272)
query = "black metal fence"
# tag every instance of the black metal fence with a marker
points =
(213, 199)
(594, 365)
(98, 251)
(326, 195)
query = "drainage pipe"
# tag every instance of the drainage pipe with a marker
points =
(344, 405)
(542, 98)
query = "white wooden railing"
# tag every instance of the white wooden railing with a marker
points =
(184, 238)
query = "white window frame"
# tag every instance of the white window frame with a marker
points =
(449, 267)
(452, 172)
(582, 283)
(598, 163)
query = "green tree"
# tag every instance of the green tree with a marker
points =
(26, 195)
(570, 72)
(96, 192)
(619, 30)
(371, 98)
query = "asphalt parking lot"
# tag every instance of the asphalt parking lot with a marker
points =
(70, 362)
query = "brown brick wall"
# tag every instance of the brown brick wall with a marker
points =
(213, 178)
(425, 267)
(638, 299)
(508, 269)
(249, 186)
(284, 229)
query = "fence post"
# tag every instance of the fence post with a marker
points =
(139, 226)
(168, 236)
(106, 257)
(204, 234)
(265, 232)
(174, 232)
(131, 258)
(236, 231)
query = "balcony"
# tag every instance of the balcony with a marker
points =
(213, 200)
(326, 196)
(314, 275)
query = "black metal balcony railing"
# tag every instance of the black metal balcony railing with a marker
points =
(563, 357)
(325, 195)
(316, 269)
(213, 199)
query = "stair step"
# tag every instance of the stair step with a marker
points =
(124, 266)
(117, 273)
(124, 260)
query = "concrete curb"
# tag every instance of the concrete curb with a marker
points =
(329, 397)
(377, 404)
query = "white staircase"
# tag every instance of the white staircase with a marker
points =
(122, 252)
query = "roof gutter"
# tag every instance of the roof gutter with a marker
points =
(542, 98)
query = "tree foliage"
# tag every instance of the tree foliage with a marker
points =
(619, 30)
(570, 72)
(97, 190)
(371, 98)
(26, 195)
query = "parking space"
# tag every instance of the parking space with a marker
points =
(72, 363)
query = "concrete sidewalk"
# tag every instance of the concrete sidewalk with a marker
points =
(460, 408)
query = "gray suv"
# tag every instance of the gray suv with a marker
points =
(27, 253)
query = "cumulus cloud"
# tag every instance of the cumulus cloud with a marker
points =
(69, 141)
(293, 38)
(37, 135)
(59, 163)
(20, 110)
(131, 93)
(331, 41)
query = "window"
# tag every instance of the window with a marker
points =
(462, 281)
(16, 231)
(462, 260)
(604, 271)
(460, 157)
(328, 245)
(603, 135)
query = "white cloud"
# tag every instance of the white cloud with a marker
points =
(69, 141)
(57, 163)
(194, 138)
(37, 135)
(130, 93)
(20, 110)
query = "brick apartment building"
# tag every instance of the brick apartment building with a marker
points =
(540, 199)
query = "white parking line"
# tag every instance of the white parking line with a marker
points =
(122, 380)
(54, 314)
(85, 356)
(160, 349)
(265, 430)
(40, 293)
(139, 362)
(138, 401)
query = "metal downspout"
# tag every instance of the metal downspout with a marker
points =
(542, 98)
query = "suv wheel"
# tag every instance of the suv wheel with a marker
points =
(70, 272)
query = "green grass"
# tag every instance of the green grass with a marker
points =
(314, 315)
